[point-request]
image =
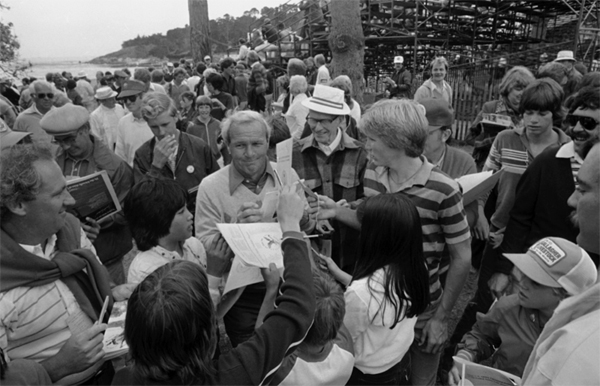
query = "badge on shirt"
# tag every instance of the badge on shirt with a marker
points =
(190, 169)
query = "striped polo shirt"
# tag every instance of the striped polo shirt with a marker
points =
(439, 202)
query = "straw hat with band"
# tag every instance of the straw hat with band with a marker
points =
(327, 100)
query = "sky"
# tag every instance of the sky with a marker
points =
(84, 29)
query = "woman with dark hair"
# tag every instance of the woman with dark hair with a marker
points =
(511, 88)
(187, 112)
(387, 290)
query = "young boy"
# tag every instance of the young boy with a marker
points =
(552, 269)
(326, 357)
(162, 227)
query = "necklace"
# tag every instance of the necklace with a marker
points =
(403, 181)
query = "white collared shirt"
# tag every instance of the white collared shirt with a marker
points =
(333, 145)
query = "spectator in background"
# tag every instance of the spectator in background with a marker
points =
(143, 75)
(72, 93)
(258, 86)
(104, 121)
(228, 74)
(222, 102)
(568, 60)
(241, 85)
(295, 117)
(401, 76)
(132, 130)
(177, 87)
(25, 100)
(294, 67)
(209, 129)
(323, 76)
(511, 88)
(269, 31)
(436, 87)
(85, 89)
(7, 113)
(556, 71)
(243, 52)
(344, 83)
(187, 110)
(311, 72)
(42, 94)
(158, 78)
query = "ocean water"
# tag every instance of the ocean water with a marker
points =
(40, 67)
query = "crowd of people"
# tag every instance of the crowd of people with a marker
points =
(377, 240)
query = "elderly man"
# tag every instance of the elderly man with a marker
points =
(42, 93)
(82, 154)
(396, 132)
(567, 351)
(132, 130)
(105, 119)
(52, 285)
(332, 164)
(233, 194)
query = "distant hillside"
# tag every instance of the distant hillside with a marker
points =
(175, 44)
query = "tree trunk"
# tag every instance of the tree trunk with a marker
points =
(199, 29)
(347, 43)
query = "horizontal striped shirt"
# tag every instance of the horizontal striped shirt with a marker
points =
(35, 322)
(439, 202)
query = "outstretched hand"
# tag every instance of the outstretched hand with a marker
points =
(218, 257)
(290, 209)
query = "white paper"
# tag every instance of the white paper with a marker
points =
(114, 340)
(284, 161)
(269, 205)
(257, 244)
(479, 375)
(470, 181)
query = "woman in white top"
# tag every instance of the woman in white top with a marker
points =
(436, 87)
(387, 290)
(296, 114)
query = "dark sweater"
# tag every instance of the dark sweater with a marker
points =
(253, 362)
(540, 208)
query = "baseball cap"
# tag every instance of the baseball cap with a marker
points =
(398, 59)
(131, 87)
(438, 112)
(557, 263)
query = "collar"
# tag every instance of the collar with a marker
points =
(33, 110)
(328, 149)
(236, 179)
(562, 137)
(50, 243)
(134, 119)
(419, 179)
(440, 162)
(568, 151)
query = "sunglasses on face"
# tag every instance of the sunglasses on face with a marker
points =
(42, 95)
(588, 123)
(130, 98)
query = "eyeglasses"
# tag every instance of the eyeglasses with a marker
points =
(588, 123)
(70, 140)
(130, 98)
(42, 95)
(324, 122)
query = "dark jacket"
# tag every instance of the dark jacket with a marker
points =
(194, 161)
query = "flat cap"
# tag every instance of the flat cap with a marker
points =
(121, 73)
(65, 119)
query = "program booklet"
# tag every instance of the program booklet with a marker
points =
(94, 197)
(477, 184)
(114, 339)
(480, 375)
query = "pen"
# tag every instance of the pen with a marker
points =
(104, 307)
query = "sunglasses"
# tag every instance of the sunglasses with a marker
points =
(130, 98)
(42, 95)
(587, 123)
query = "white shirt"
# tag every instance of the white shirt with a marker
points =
(376, 347)
(295, 117)
(355, 112)
(104, 122)
(333, 145)
(131, 134)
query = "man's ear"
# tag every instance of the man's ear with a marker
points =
(17, 209)
(446, 134)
